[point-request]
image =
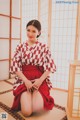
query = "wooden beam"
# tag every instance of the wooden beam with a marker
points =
(77, 33)
(4, 15)
(4, 60)
(10, 35)
(63, 90)
(16, 18)
(39, 6)
(9, 38)
(49, 21)
(20, 21)
(4, 38)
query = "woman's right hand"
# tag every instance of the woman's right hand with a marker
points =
(29, 85)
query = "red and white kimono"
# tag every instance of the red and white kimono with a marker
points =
(33, 62)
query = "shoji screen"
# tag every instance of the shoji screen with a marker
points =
(79, 33)
(79, 50)
(10, 35)
(35, 9)
(64, 18)
(15, 24)
(4, 38)
(44, 20)
(73, 104)
(29, 12)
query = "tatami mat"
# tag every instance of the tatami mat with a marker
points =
(60, 97)
(7, 98)
(5, 86)
(57, 113)
(11, 80)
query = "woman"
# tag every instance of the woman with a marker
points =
(32, 63)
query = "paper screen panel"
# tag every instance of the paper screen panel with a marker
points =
(79, 49)
(15, 28)
(76, 96)
(14, 45)
(16, 8)
(4, 71)
(79, 37)
(5, 7)
(75, 106)
(29, 12)
(44, 20)
(63, 41)
(77, 77)
(4, 50)
(73, 103)
(4, 26)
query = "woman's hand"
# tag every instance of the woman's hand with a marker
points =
(29, 85)
(37, 84)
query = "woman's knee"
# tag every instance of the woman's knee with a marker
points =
(26, 113)
(37, 103)
(37, 109)
(26, 104)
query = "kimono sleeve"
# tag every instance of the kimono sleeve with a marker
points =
(49, 64)
(16, 64)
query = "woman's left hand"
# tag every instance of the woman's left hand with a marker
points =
(37, 84)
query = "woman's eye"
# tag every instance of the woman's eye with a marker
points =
(34, 31)
(28, 30)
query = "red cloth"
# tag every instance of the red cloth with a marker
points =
(33, 72)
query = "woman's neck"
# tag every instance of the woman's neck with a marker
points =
(31, 42)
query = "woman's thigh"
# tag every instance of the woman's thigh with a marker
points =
(37, 102)
(26, 103)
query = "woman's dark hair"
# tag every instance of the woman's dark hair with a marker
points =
(36, 24)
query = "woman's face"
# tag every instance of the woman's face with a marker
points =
(32, 33)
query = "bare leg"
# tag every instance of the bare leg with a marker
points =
(37, 102)
(26, 103)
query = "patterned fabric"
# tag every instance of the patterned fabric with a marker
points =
(38, 54)
(33, 72)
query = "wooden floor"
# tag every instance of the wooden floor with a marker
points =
(6, 99)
